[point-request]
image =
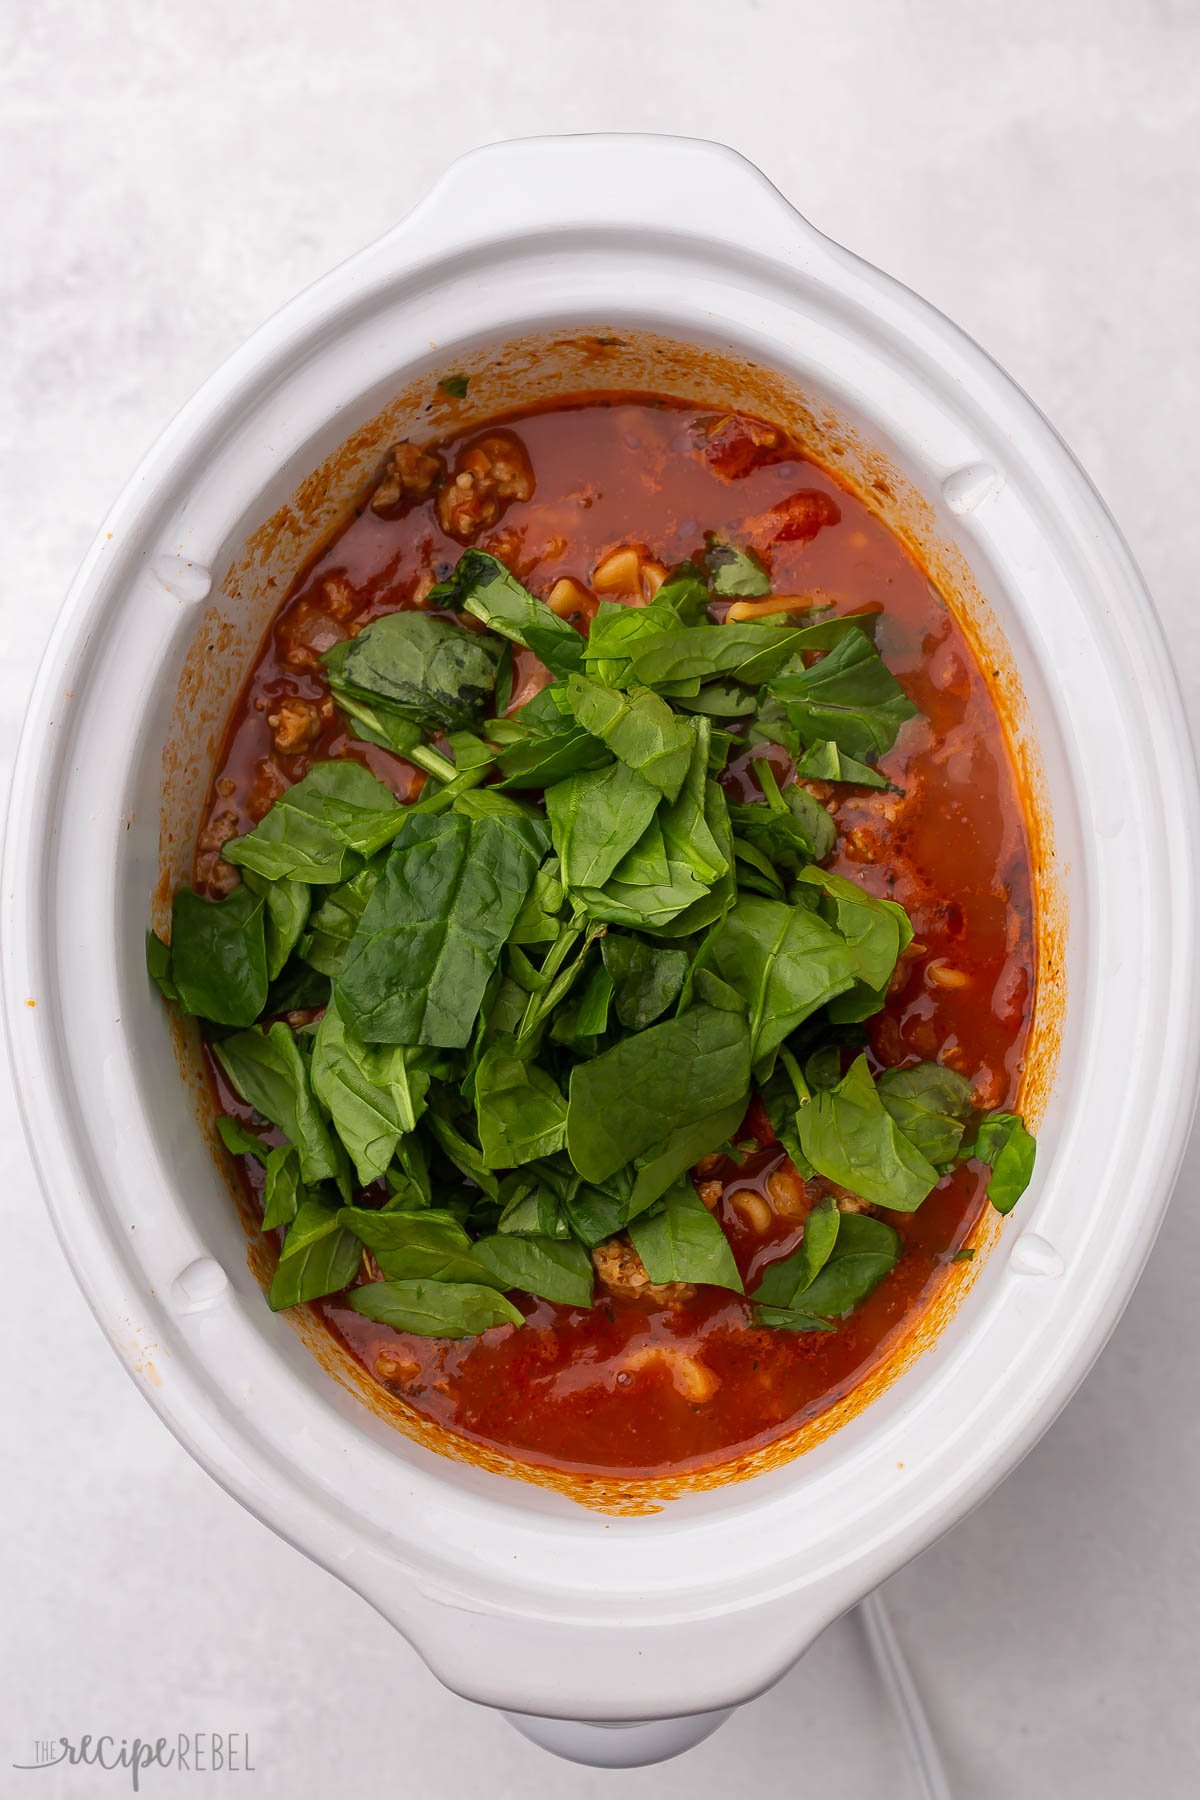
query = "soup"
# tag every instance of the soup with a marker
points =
(613, 929)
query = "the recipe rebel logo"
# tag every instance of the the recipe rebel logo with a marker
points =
(193, 1752)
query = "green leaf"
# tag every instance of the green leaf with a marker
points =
(550, 1267)
(639, 729)
(449, 1309)
(287, 906)
(627, 1102)
(680, 1240)
(931, 1105)
(439, 675)
(322, 829)
(374, 1095)
(667, 882)
(618, 631)
(520, 1112)
(849, 698)
(455, 386)
(335, 921)
(784, 961)
(850, 1137)
(219, 957)
(466, 1156)
(865, 1250)
(158, 965)
(875, 931)
(595, 819)
(1009, 1150)
(823, 761)
(646, 978)
(734, 573)
(541, 755)
(423, 1245)
(534, 1198)
(484, 587)
(681, 660)
(283, 1190)
(431, 933)
(240, 1142)
(268, 1071)
(319, 1257)
(298, 988)
(540, 918)
(786, 1280)
(596, 1211)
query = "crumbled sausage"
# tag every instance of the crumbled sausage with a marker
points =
(623, 1273)
(410, 474)
(394, 1367)
(710, 1192)
(734, 444)
(213, 873)
(798, 519)
(490, 472)
(850, 1203)
(295, 723)
(338, 596)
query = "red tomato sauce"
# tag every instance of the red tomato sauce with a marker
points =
(570, 1390)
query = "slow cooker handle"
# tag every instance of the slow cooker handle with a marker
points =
(539, 186)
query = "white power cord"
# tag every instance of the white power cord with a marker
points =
(897, 1679)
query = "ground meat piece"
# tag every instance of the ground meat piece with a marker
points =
(798, 519)
(410, 474)
(490, 472)
(734, 445)
(212, 871)
(217, 832)
(710, 1192)
(394, 1367)
(295, 724)
(850, 1203)
(623, 1273)
(338, 596)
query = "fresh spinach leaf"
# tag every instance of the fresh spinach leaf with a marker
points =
(219, 956)
(785, 1281)
(682, 1073)
(850, 1137)
(534, 1198)
(596, 1211)
(424, 1245)
(864, 1252)
(519, 1109)
(849, 698)
(735, 574)
(268, 1071)
(322, 829)
(434, 926)
(484, 587)
(679, 661)
(646, 978)
(286, 912)
(639, 729)
(823, 761)
(449, 1309)
(680, 1240)
(283, 1190)
(466, 1156)
(158, 965)
(373, 1094)
(875, 931)
(784, 961)
(552, 1268)
(335, 921)
(240, 1142)
(1009, 1150)
(438, 675)
(931, 1105)
(595, 819)
(319, 1257)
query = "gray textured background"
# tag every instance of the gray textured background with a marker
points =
(173, 174)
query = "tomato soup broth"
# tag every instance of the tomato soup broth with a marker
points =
(643, 1385)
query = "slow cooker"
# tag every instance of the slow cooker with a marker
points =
(667, 1605)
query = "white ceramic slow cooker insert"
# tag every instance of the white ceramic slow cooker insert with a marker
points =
(514, 1594)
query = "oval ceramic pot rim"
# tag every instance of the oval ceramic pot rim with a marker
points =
(679, 1571)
